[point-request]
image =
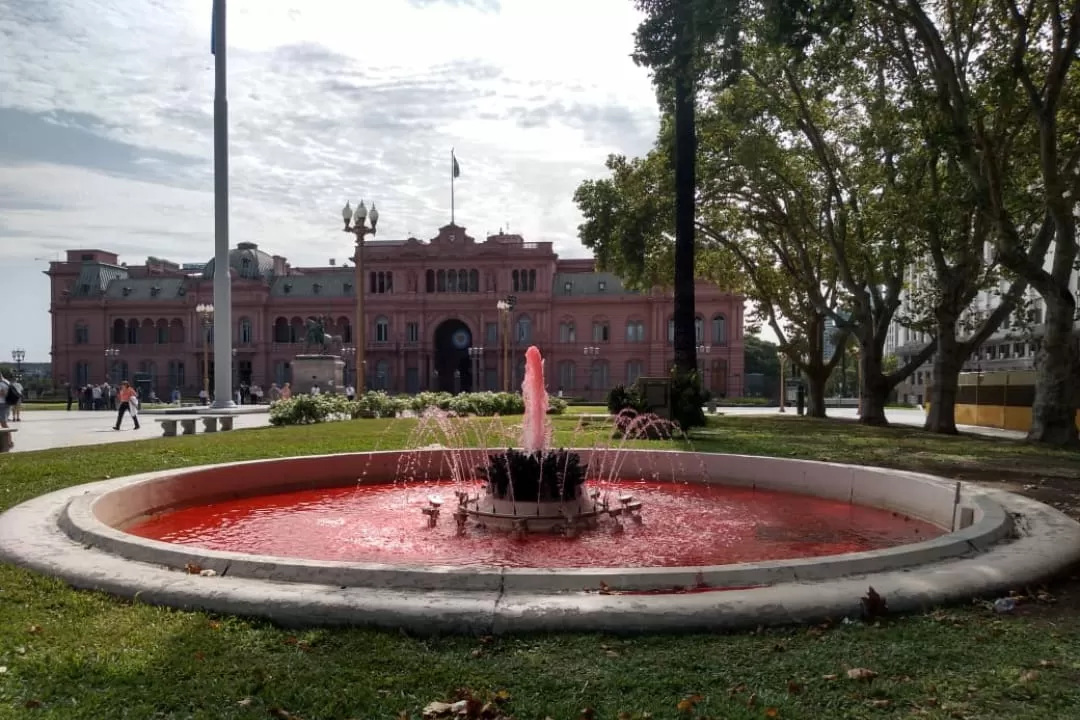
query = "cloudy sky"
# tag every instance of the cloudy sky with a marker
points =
(106, 125)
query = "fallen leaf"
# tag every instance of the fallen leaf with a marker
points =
(861, 674)
(624, 715)
(246, 702)
(1029, 676)
(193, 569)
(32, 704)
(772, 712)
(282, 714)
(752, 700)
(477, 653)
(502, 696)
(34, 629)
(611, 653)
(200, 656)
(436, 709)
(587, 714)
(881, 703)
(1047, 663)
(687, 704)
(605, 589)
(215, 625)
(793, 687)
(829, 677)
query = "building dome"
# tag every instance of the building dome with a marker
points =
(248, 261)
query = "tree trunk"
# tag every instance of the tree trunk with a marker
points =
(1053, 414)
(685, 340)
(873, 388)
(815, 395)
(948, 360)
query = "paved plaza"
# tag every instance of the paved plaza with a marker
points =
(45, 429)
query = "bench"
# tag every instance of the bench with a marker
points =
(6, 439)
(211, 423)
(168, 426)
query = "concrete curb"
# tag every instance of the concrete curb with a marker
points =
(1046, 543)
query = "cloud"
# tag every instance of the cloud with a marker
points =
(108, 120)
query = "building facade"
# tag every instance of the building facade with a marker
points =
(431, 318)
(1011, 347)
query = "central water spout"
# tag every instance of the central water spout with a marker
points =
(535, 431)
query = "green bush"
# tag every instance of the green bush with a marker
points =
(622, 398)
(687, 399)
(307, 409)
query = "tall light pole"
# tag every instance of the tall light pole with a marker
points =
(355, 224)
(18, 355)
(505, 308)
(223, 344)
(205, 311)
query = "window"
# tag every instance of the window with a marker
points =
(346, 330)
(567, 375)
(132, 333)
(699, 330)
(635, 331)
(532, 280)
(282, 372)
(600, 331)
(441, 281)
(600, 376)
(451, 281)
(281, 331)
(429, 281)
(719, 330)
(523, 280)
(87, 257)
(515, 281)
(602, 286)
(382, 375)
(1019, 349)
(382, 330)
(380, 283)
(474, 281)
(412, 332)
(671, 331)
(566, 332)
(568, 287)
(634, 370)
(82, 336)
(524, 329)
(491, 333)
(245, 331)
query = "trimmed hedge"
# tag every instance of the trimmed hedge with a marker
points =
(307, 409)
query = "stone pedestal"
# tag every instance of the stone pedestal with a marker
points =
(326, 371)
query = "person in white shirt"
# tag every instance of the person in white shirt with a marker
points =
(16, 409)
(350, 392)
(315, 390)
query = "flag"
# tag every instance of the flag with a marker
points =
(457, 170)
(213, 29)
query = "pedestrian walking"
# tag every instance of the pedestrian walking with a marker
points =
(128, 401)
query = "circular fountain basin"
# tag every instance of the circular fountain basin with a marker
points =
(987, 541)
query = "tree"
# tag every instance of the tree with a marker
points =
(761, 357)
(1003, 80)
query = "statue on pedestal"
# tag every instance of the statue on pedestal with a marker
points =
(317, 335)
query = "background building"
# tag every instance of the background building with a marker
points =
(427, 304)
(1011, 347)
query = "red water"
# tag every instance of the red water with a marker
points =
(683, 525)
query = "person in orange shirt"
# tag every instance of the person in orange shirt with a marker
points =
(129, 403)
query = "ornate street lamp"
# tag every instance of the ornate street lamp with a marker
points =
(205, 311)
(111, 353)
(590, 351)
(357, 224)
(18, 355)
(505, 308)
(477, 355)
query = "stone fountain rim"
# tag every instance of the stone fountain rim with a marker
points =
(39, 534)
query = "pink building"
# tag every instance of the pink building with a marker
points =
(427, 304)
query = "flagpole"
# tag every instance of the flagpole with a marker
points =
(451, 186)
(222, 282)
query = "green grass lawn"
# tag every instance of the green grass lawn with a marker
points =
(67, 654)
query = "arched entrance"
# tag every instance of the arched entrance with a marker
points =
(452, 343)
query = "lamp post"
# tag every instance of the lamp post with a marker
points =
(205, 311)
(782, 389)
(592, 352)
(18, 355)
(349, 353)
(357, 224)
(477, 355)
(111, 353)
(505, 308)
(705, 350)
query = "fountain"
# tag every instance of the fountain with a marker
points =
(535, 489)
(542, 538)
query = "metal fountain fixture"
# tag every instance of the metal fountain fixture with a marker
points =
(561, 514)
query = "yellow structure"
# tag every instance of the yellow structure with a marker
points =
(996, 399)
